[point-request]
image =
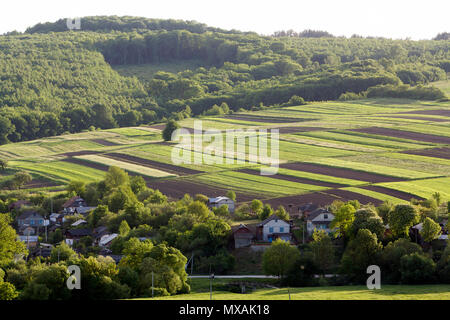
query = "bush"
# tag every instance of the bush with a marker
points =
(392, 255)
(157, 292)
(302, 272)
(417, 269)
(7, 291)
(405, 92)
(295, 101)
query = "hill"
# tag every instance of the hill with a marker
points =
(106, 75)
(371, 150)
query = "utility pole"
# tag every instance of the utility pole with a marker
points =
(303, 228)
(211, 277)
(192, 263)
(153, 286)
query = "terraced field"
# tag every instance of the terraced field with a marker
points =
(371, 150)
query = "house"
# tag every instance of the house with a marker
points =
(319, 219)
(220, 201)
(84, 210)
(78, 223)
(273, 228)
(305, 209)
(74, 235)
(106, 240)
(30, 219)
(243, 236)
(57, 218)
(99, 233)
(19, 204)
(30, 241)
(44, 250)
(75, 202)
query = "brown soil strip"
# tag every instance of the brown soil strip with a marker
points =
(320, 198)
(105, 143)
(443, 153)
(394, 193)
(349, 195)
(89, 164)
(177, 188)
(286, 130)
(153, 164)
(295, 179)
(421, 118)
(37, 183)
(256, 118)
(101, 167)
(339, 172)
(439, 112)
(78, 153)
(158, 126)
(404, 134)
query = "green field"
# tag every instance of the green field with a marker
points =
(321, 137)
(200, 291)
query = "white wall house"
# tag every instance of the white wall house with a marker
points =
(319, 219)
(220, 201)
(273, 228)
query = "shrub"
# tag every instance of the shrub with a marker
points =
(417, 269)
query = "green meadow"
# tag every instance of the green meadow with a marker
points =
(322, 137)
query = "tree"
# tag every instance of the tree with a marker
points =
(8, 291)
(402, 218)
(171, 126)
(95, 216)
(282, 213)
(49, 281)
(9, 246)
(391, 257)
(62, 252)
(437, 197)
(6, 127)
(443, 266)
(124, 229)
(231, 194)
(343, 219)
(168, 267)
(137, 184)
(279, 258)
(199, 209)
(116, 177)
(201, 198)
(157, 197)
(77, 187)
(417, 269)
(222, 211)
(103, 117)
(361, 252)
(266, 212)
(3, 164)
(256, 206)
(368, 219)
(323, 250)
(430, 230)
(21, 178)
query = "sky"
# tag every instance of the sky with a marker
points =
(397, 19)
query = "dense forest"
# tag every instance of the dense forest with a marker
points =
(54, 80)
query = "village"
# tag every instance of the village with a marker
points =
(33, 228)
